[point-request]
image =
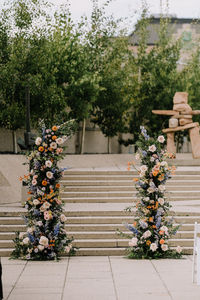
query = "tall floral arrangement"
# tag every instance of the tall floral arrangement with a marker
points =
(45, 237)
(152, 226)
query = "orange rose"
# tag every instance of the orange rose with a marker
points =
(161, 232)
(41, 149)
(148, 242)
(54, 128)
(155, 173)
(57, 185)
(135, 179)
(54, 137)
(44, 182)
(151, 219)
(162, 241)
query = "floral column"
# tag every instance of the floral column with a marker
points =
(45, 237)
(152, 227)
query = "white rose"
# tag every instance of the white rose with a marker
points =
(164, 228)
(137, 156)
(46, 205)
(151, 190)
(49, 174)
(48, 163)
(40, 247)
(63, 218)
(164, 163)
(36, 202)
(25, 241)
(142, 174)
(147, 234)
(161, 188)
(179, 249)
(133, 242)
(39, 223)
(143, 168)
(34, 182)
(161, 201)
(44, 241)
(59, 141)
(30, 229)
(152, 148)
(146, 199)
(164, 247)
(153, 247)
(152, 159)
(161, 139)
(53, 145)
(21, 235)
(68, 248)
(38, 141)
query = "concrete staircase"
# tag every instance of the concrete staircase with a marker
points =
(95, 203)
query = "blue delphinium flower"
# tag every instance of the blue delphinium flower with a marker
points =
(144, 132)
(31, 238)
(144, 153)
(132, 229)
(56, 229)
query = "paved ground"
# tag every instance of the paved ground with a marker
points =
(99, 278)
(91, 278)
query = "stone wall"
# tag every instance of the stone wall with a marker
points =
(95, 142)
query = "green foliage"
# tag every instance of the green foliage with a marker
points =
(156, 76)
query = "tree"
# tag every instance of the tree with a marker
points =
(157, 77)
(110, 56)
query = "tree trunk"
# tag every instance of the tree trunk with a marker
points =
(14, 141)
(83, 136)
(109, 145)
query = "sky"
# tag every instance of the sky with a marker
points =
(127, 8)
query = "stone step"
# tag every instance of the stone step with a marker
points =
(114, 235)
(128, 219)
(97, 209)
(11, 221)
(122, 183)
(5, 252)
(122, 178)
(178, 171)
(106, 243)
(7, 235)
(113, 227)
(89, 189)
(115, 251)
(8, 230)
(17, 222)
(12, 228)
(111, 243)
(108, 194)
(126, 200)
(100, 172)
(96, 220)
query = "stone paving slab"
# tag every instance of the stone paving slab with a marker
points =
(99, 278)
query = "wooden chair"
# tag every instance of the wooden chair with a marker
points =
(196, 255)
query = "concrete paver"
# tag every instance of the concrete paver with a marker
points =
(99, 278)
